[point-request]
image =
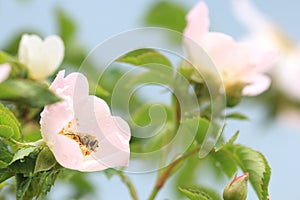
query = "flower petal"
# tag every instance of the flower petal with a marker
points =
(41, 58)
(82, 115)
(4, 71)
(197, 22)
(67, 152)
(258, 84)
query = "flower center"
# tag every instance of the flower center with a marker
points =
(87, 143)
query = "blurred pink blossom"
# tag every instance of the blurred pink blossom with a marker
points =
(80, 130)
(239, 63)
(42, 58)
(266, 35)
(4, 71)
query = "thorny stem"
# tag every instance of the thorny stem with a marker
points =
(129, 185)
(163, 177)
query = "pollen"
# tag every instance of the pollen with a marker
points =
(87, 143)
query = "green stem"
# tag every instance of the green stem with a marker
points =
(129, 185)
(26, 144)
(163, 177)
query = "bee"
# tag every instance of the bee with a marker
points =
(90, 142)
(87, 143)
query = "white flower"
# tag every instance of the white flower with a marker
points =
(42, 58)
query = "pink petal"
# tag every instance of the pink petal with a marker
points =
(197, 22)
(67, 152)
(258, 84)
(89, 115)
(4, 72)
(221, 48)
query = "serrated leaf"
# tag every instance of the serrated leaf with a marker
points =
(9, 125)
(239, 116)
(27, 92)
(22, 153)
(145, 57)
(255, 164)
(45, 161)
(168, 15)
(5, 155)
(23, 183)
(194, 194)
(230, 142)
(266, 179)
(226, 163)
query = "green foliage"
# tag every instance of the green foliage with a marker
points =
(238, 116)
(75, 53)
(9, 125)
(195, 194)
(35, 170)
(109, 173)
(148, 113)
(141, 57)
(18, 70)
(27, 92)
(167, 14)
(250, 161)
(37, 185)
(66, 26)
(45, 161)
(81, 186)
(22, 153)
(199, 124)
(5, 156)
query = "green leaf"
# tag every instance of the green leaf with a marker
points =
(239, 116)
(230, 142)
(255, 164)
(199, 124)
(4, 175)
(66, 26)
(226, 163)
(9, 125)
(5, 155)
(27, 92)
(168, 15)
(194, 194)
(22, 153)
(141, 57)
(23, 183)
(6, 131)
(45, 161)
(151, 113)
(18, 70)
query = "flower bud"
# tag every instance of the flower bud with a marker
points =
(237, 188)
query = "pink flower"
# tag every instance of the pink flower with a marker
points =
(4, 71)
(239, 63)
(266, 35)
(42, 58)
(80, 130)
